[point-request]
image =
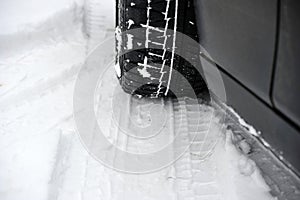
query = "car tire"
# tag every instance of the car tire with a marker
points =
(176, 15)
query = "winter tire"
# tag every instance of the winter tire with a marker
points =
(135, 78)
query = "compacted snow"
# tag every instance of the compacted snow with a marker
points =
(41, 154)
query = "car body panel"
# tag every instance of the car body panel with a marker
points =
(278, 134)
(255, 44)
(286, 90)
(240, 36)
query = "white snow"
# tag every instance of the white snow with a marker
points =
(33, 115)
(20, 15)
(41, 156)
(129, 41)
(237, 175)
(118, 69)
(130, 23)
(250, 128)
(36, 92)
(118, 39)
(144, 72)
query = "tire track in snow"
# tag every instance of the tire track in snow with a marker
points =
(193, 181)
(97, 21)
(40, 89)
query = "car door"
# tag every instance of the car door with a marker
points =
(286, 90)
(240, 36)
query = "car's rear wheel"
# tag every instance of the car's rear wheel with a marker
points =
(150, 71)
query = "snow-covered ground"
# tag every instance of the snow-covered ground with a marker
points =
(41, 154)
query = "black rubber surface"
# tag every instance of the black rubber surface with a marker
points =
(155, 83)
